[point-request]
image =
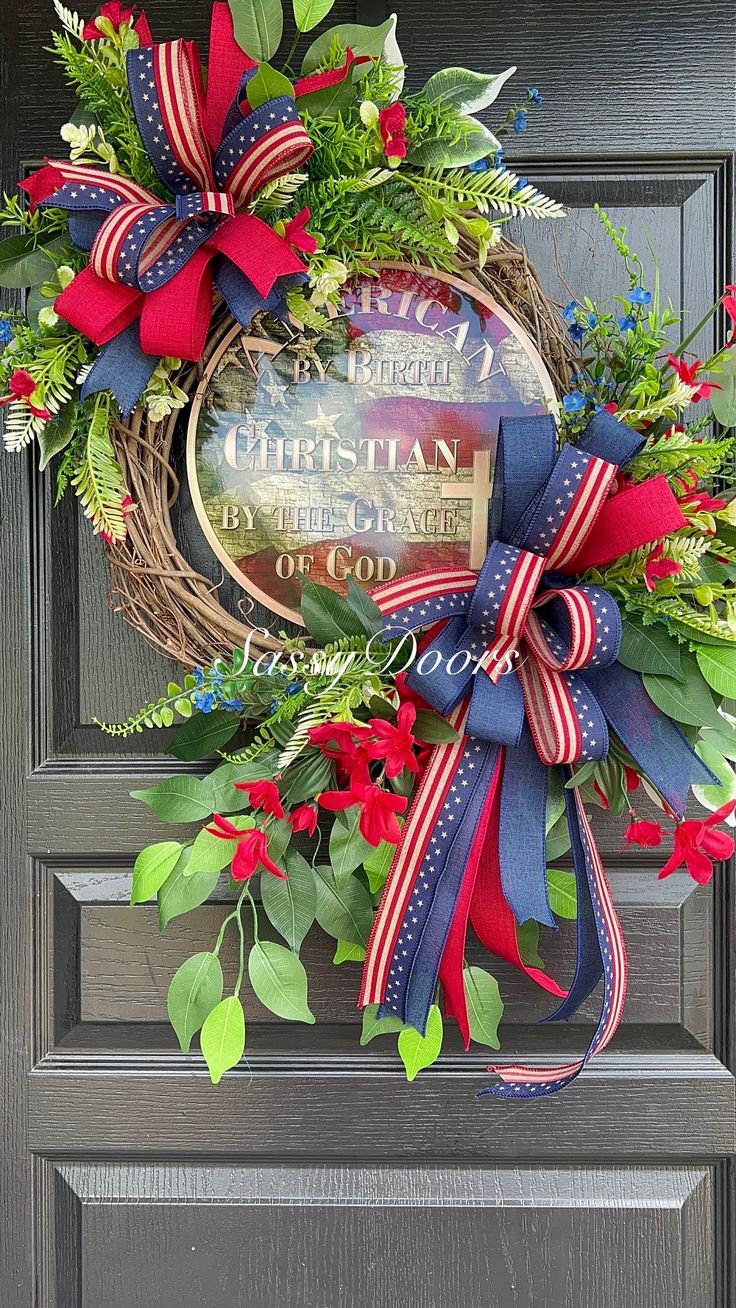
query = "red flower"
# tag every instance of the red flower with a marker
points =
(126, 506)
(392, 124)
(252, 849)
(632, 779)
(644, 833)
(695, 841)
(601, 796)
(395, 744)
(338, 739)
(611, 407)
(701, 501)
(304, 818)
(263, 795)
(22, 385)
(114, 13)
(296, 234)
(688, 373)
(729, 304)
(658, 567)
(378, 809)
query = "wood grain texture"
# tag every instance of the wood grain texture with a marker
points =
(504, 1238)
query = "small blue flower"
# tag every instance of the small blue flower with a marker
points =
(6, 332)
(274, 706)
(519, 122)
(592, 320)
(640, 296)
(519, 184)
(498, 158)
(627, 323)
(479, 166)
(216, 677)
(576, 331)
(533, 96)
(573, 402)
(236, 705)
(204, 700)
(569, 311)
(198, 675)
(294, 688)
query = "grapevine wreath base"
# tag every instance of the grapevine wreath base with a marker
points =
(454, 728)
(154, 587)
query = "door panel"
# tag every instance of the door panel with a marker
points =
(145, 1185)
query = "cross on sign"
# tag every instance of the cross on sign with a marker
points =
(479, 492)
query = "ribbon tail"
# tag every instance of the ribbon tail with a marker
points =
(256, 249)
(123, 368)
(242, 298)
(601, 952)
(490, 916)
(522, 829)
(227, 63)
(175, 318)
(656, 743)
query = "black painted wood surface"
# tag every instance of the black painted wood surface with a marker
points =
(314, 1176)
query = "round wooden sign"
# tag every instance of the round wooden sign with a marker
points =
(368, 452)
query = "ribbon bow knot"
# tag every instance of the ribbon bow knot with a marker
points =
(473, 845)
(147, 291)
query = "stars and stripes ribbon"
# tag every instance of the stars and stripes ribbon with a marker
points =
(154, 261)
(523, 663)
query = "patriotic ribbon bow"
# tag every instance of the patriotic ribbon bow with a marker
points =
(147, 291)
(506, 669)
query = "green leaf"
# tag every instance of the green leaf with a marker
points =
(362, 40)
(179, 799)
(343, 911)
(203, 734)
(347, 953)
(463, 90)
(474, 144)
(279, 981)
(373, 1027)
(364, 608)
(485, 1006)
(290, 904)
(723, 401)
(558, 838)
(555, 799)
(378, 865)
(151, 869)
(563, 895)
(195, 989)
(223, 1037)
(266, 85)
(718, 665)
(308, 13)
(55, 436)
(714, 797)
(225, 798)
(258, 26)
(212, 854)
(723, 740)
(181, 893)
(348, 848)
(306, 778)
(432, 728)
(527, 937)
(651, 650)
(279, 835)
(689, 702)
(23, 262)
(326, 615)
(419, 1051)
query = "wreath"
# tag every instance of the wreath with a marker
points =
(454, 728)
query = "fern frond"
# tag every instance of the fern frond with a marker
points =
(306, 313)
(277, 193)
(98, 480)
(69, 19)
(496, 190)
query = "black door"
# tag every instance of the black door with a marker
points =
(314, 1175)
